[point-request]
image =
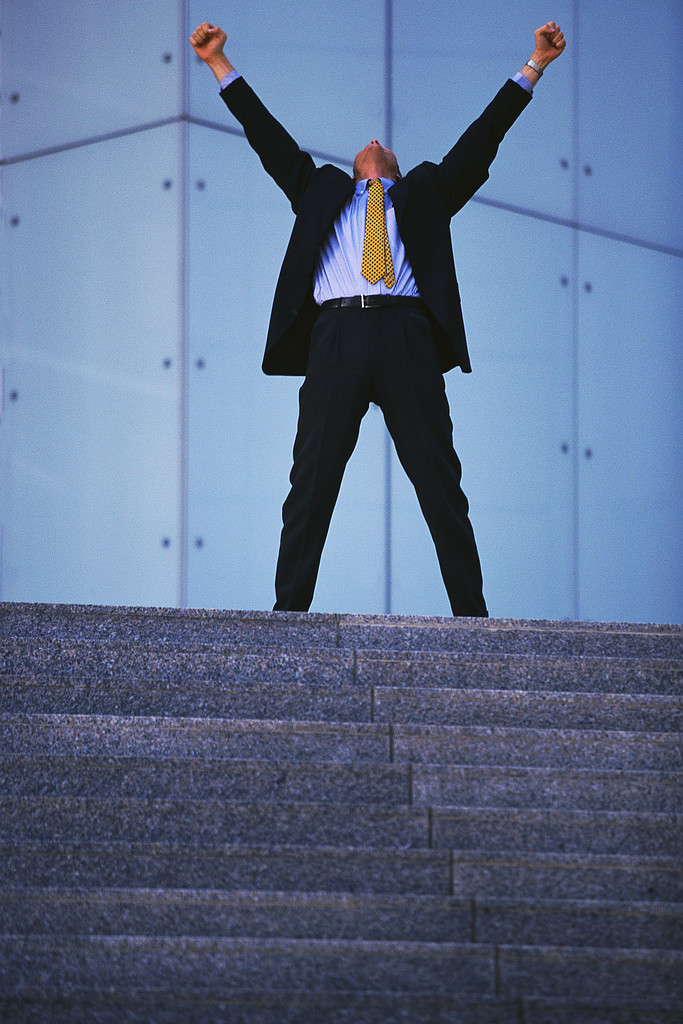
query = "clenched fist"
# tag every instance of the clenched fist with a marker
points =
(550, 43)
(208, 42)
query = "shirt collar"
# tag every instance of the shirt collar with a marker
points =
(364, 182)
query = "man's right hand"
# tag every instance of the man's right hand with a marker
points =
(208, 42)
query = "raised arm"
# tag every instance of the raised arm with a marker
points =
(466, 167)
(290, 167)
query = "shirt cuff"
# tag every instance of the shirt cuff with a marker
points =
(522, 80)
(228, 79)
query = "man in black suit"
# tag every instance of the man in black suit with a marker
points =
(372, 317)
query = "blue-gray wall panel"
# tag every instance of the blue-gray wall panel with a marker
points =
(631, 425)
(91, 350)
(73, 70)
(630, 105)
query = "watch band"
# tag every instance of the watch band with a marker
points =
(537, 68)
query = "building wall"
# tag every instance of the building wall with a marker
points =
(144, 455)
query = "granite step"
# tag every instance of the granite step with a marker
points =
(381, 743)
(392, 785)
(336, 1008)
(167, 627)
(529, 672)
(541, 748)
(91, 819)
(580, 789)
(563, 639)
(219, 665)
(276, 701)
(518, 709)
(566, 875)
(268, 867)
(553, 922)
(196, 779)
(355, 703)
(213, 965)
(603, 923)
(562, 831)
(207, 738)
(580, 1011)
(87, 659)
(285, 1008)
(216, 663)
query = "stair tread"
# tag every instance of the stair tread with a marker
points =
(210, 897)
(213, 805)
(388, 946)
(81, 655)
(343, 742)
(334, 630)
(213, 665)
(502, 921)
(268, 867)
(63, 613)
(178, 722)
(463, 785)
(199, 821)
(217, 964)
(339, 1007)
(339, 702)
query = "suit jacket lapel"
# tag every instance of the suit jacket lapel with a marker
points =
(341, 192)
(398, 193)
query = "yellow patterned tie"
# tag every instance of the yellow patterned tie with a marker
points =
(376, 252)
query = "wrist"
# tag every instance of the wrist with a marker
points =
(540, 58)
(531, 76)
(220, 65)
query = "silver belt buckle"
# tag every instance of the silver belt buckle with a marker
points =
(363, 304)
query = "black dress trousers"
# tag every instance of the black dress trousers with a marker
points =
(386, 354)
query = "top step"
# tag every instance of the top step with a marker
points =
(83, 624)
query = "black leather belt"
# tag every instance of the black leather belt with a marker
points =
(368, 301)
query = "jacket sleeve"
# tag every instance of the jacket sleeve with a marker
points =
(290, 167)
(466, 167)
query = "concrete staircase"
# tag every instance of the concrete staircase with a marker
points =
(269, 818)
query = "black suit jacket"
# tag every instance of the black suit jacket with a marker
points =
(424, 200)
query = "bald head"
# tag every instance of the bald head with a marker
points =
(375, 161)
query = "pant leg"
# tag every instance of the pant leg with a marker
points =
(332, 402)
(412, 395)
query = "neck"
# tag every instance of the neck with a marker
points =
(372, 173)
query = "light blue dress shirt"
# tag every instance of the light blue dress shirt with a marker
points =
(337, 271)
